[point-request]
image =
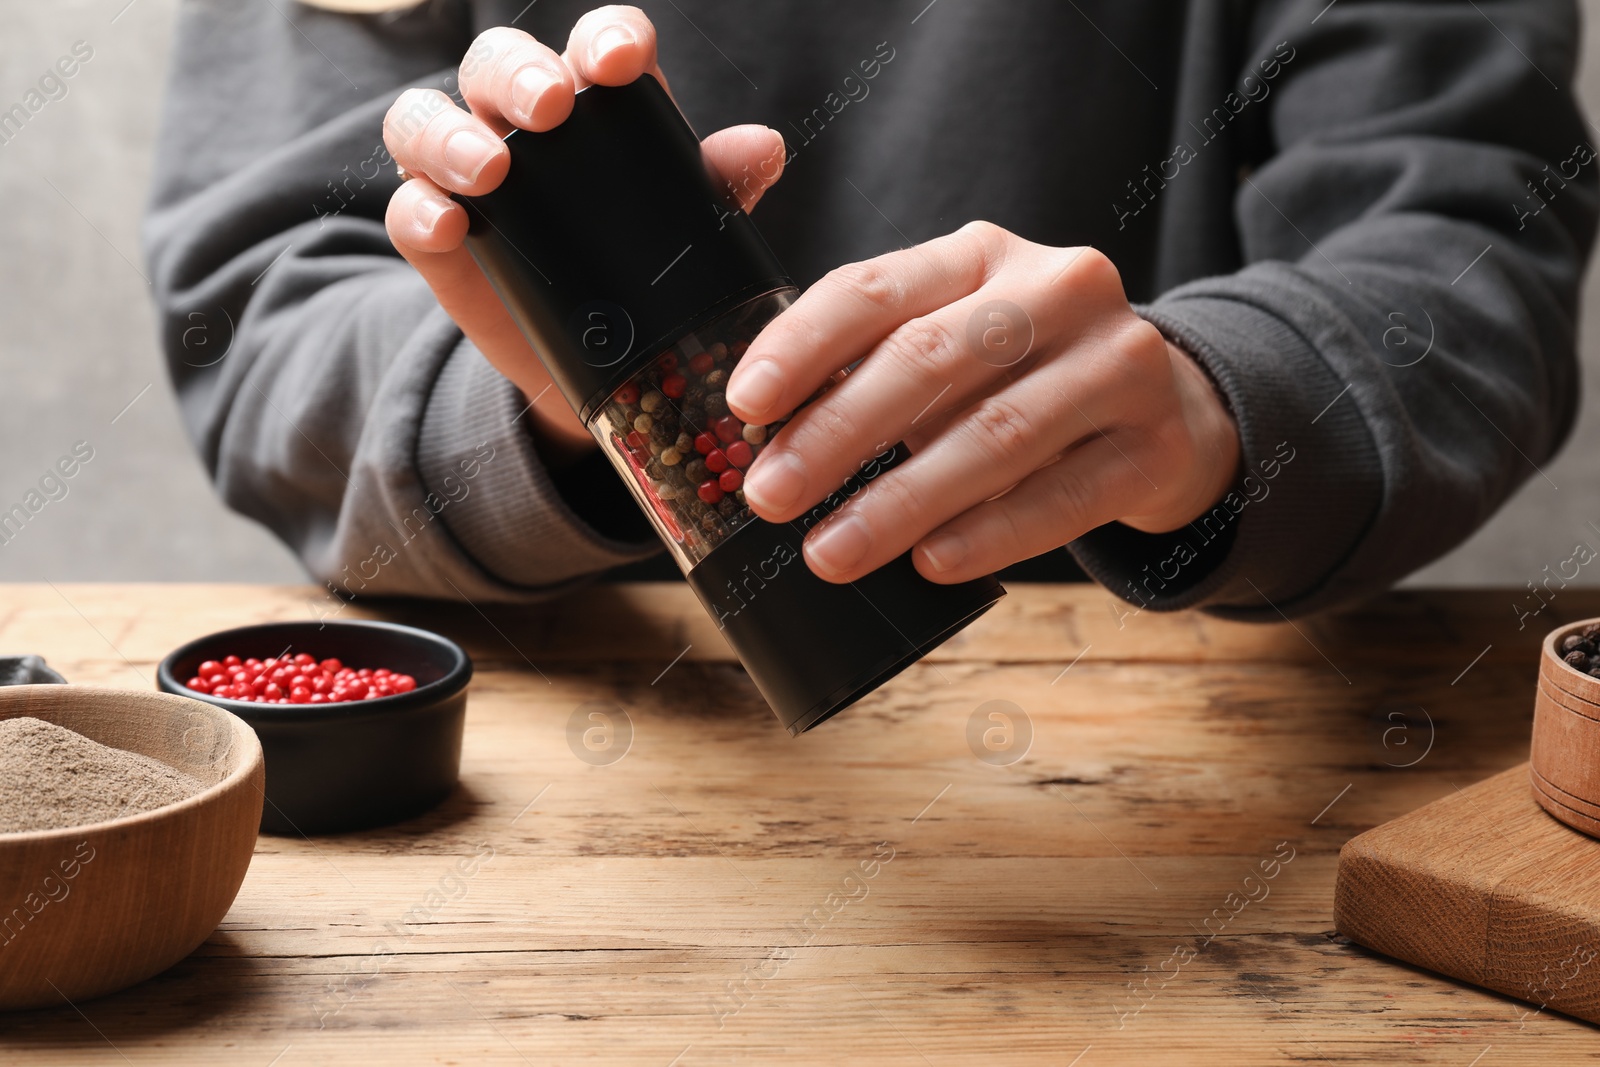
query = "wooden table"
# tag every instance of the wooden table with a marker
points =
(872, 890)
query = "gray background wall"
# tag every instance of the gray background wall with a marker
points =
(77, 340)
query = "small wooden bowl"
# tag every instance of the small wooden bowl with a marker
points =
(1565, 754)
(93, 909)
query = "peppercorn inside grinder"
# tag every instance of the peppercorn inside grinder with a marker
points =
(641, 288)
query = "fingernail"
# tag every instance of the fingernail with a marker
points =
(527, 87)
(756, 386)
(776, 481)
(427, 214)
(839, 545)
(607, 41)
(945, 552)
(466, 153)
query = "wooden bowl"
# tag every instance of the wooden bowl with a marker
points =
(93, 909)
(1565, 754)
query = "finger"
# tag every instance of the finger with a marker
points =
(918, 375)
(986, 450)
(422, 217)
(441, 258)
(429, 135)
(509, 79)
(612, 46)
(846, 313)
(466, 296)
(1089, 487)
(748, 160)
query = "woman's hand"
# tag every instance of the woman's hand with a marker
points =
(1037, 406)
(509, 80)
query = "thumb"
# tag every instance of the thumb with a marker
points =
(745, 161)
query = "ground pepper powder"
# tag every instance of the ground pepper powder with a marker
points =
(52, 778)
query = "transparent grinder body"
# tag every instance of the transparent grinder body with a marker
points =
(669, 433)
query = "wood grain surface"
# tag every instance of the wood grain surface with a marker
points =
(1485, 886)
(873, 890)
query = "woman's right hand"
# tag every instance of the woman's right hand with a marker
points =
(509, 80)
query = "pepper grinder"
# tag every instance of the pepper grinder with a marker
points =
(641, 287)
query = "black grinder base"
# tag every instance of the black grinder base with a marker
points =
(812, 647)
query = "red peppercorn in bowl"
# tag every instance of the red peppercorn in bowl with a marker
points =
(360, 722)
(295, 679)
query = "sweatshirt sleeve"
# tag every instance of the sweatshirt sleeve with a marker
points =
(1415, 205)
(328, 394)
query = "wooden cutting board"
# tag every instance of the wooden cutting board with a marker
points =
(1484, 886)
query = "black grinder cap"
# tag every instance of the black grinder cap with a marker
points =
(608, 242)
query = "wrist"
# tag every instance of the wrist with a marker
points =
(1213, 429)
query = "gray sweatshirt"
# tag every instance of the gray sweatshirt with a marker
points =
(1366, 220)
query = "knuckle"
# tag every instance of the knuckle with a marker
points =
(819, 427)
(412, 113)
(1143, 353)
(900, 495)
(924, 346)
(1090, 271)
(487, 49)
(1001, 429)
(987, 246)
(1070, 499)
(987, 236)
(869, 281)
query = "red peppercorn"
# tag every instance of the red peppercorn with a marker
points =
(704, 443)
(739, 454)
(716, 462)
(728, 429)
(730, 479)
(208, 668)
(628, 393)
(637, 441)
(710, 491)
(668, 361)
(701, 362)
(674, 384)
(300, 679)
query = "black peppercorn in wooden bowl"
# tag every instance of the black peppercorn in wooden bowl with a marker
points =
(1565, 753)
(333, 767)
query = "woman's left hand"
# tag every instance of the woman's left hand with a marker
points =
(1036, 404)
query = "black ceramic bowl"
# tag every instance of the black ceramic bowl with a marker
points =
(355, 765)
